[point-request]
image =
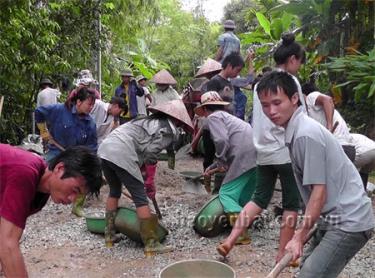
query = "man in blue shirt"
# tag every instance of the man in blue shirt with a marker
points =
(227, 42)
(129, 90)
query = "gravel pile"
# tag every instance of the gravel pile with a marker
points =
(55, 228)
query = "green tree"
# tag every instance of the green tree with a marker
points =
(181, 40)
(56, 38)
(241, 11)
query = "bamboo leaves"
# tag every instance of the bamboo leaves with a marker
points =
(359, 71)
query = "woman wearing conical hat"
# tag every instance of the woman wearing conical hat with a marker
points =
(125, 150)
(165, 92)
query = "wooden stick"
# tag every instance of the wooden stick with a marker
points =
(157, 210)
(53, 141)
(284, 262)
(335, 125)
(1, 104)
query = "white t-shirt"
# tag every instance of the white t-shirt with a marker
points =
(104, 121)
(362, 143)
(142, 101)
(47, 96)
(342, 132)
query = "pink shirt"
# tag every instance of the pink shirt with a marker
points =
(20, 174)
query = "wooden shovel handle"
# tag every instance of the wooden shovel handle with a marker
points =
(284, 262)
(157, 210)
(335, 125)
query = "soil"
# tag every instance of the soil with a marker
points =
(57, 244)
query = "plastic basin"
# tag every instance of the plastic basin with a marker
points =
(127, 222)
(211, 220)
(197, 268)
(95, 224)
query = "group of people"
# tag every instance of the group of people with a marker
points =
(87, 139)
(312, 160)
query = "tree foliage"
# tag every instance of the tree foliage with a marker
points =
(181, 40)
(359, 72)
(57, 38)
(241, 11)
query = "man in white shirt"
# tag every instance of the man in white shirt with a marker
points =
(106, 116)
(321, 108)
(359, 148)
(364, 155)
(47, 95)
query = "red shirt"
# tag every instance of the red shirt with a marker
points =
(20, 174)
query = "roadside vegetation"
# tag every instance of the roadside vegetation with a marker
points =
(57, 38)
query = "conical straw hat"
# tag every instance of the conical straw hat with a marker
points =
(209, 98)
(176, 109)
(163, 77)
(209, 66)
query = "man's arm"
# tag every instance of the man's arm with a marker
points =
(313, 210)
(249, 58)
(10, 254)
(328, 106)
(219, 54)
(149, 97)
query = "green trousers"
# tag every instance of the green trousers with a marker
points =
(235, 194)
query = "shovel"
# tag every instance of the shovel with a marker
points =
(192, 182)
(284, 262)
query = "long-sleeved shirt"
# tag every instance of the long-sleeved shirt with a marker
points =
(137, 142)
(160, 97)
(233, 143)
(130, 94)
(67, 127)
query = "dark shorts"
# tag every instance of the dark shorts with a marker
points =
(266, 180)
(116, 177)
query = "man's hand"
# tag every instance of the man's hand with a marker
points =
(210, 172)
(250, 55)
(295, 246)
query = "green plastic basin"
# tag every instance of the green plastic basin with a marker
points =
(163, 156)
(127, 222)
(95, 224)
(197, 268)
(211, 219)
